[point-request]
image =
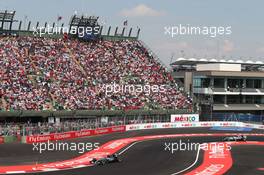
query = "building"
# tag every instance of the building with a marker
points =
(224, 89)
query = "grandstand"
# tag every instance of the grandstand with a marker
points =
(44, 74)
(50, 74)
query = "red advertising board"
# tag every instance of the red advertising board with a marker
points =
(2, 140)
(73, 134)
(118, 128)
(102, 131)
(83, 133)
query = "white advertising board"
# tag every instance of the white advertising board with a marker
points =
(184, 118)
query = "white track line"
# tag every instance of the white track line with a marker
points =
(15, 172)
(124, 150)
(196, 159)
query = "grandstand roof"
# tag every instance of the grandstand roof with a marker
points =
(194, 61)
(183, 64)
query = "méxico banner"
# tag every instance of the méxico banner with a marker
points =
(184, 118)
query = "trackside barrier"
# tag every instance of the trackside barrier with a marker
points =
(190, 124)
(99, 131)
(8, 139)
(254, 126)
(2, 140)
(72, 134)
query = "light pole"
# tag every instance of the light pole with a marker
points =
(211, 101)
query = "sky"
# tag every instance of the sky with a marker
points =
(245, 18)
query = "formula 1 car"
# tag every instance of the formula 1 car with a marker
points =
(109, 159)
(236, 138)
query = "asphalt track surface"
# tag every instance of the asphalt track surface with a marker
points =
(247, 160)
(143, 158)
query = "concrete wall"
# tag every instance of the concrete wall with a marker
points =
(188, 80)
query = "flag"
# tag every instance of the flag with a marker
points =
(125, 23)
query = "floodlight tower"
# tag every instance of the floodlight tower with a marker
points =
(7, 17)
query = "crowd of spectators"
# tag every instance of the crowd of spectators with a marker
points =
(57, 74)
(15, 85)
